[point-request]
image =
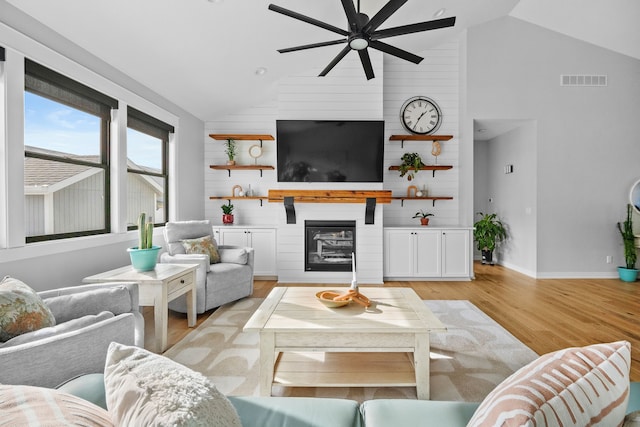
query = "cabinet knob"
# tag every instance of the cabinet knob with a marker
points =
(182, 281)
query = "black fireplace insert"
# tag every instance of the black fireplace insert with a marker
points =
(328, 245)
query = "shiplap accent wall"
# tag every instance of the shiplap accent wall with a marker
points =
(343, 94)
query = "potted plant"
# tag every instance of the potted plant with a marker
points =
(144, 256)
(231, 150)
(487, 232)
(628, 273)
(411, 164)
(424, 217)
(227, 214)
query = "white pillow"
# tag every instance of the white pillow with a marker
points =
(572, 387)
(146, 389)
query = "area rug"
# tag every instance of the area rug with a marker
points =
(467, 361)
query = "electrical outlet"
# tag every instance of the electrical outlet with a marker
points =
(609, 259)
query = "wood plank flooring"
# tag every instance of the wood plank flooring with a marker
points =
(545, 314)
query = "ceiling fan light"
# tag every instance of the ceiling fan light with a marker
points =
(358, 43)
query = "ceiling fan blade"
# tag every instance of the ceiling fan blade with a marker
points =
(383, 14)
(337, 59)
(366, 63)
(312, 45)
(352, 15)
(307, 19)
(413, 28)
(392, 50)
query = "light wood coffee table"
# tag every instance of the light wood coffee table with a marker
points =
(156, 288)
(303, 343)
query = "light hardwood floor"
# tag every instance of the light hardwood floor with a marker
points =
(546, 315)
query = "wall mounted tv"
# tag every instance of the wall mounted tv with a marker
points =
(330, 150)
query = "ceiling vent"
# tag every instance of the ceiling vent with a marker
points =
(582, 80)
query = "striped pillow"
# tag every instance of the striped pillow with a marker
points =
(586, 386)
(37, 406)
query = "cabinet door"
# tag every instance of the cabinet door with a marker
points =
(455, 253)
(263, 241)
(428, 253)
(233, 236)
(399, 253)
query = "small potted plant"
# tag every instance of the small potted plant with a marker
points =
(424, 217)
(230, 150)
(628, 273)
(411, 164)
(227, 214)
(487, 232)
(144, 256)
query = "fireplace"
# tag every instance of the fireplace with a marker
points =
(328, 245)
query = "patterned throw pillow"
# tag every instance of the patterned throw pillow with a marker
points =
(202, 245)
(22, 405)
(570, 387)
(21, 310)
(144, 389)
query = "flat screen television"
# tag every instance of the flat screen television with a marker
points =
(330, 150)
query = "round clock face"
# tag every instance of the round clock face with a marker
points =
(420, 115)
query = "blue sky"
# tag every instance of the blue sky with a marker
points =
(55, 126)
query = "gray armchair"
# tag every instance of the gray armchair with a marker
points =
(216, 284)
(88, 319)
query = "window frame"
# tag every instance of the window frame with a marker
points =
(49, 84)
(149, 125)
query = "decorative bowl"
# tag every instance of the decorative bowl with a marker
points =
(330, 302)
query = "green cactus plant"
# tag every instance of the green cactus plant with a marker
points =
(626, 231)
(145, 232)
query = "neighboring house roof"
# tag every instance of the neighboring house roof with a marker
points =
(44, 176)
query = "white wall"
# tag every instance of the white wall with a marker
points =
(587, 137)
(47, 265)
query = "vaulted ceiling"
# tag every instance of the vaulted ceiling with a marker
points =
(203, 54)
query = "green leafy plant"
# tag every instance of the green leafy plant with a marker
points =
(488, 231)
(230, 149)
(145, 232)
(411, 164)
(422, 214)
(227, 209)
(626, 231)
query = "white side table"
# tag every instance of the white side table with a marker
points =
(157, 287)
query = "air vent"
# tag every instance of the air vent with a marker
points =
(582, 80)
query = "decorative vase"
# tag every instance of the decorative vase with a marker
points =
(628, 274)
(227, 218)
(144, 259)
(231, 162)
(487, 257)
(424, 221)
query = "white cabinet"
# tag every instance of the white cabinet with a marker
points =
(426, 253)
(262, 240)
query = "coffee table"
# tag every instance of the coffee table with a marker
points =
(156, 288)
(303, 343)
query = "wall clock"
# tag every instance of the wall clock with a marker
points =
(420, 115)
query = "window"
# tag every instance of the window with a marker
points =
(147, 177)
(66, 141)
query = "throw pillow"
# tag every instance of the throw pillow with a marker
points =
(202, 245)
(22, 405)
(21, 310)
(146, 389)
(570, 387)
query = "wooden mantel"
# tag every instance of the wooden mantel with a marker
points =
(330, 196)
(368, 197)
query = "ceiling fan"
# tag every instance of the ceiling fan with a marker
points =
(363, 33)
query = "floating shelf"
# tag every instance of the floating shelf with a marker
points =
(433, 168)
(230, 198)
(433, 198)
(242, 137)
(404, 138)
(229, 168)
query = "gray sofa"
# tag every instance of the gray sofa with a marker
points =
(88, 319)
(216, 284)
